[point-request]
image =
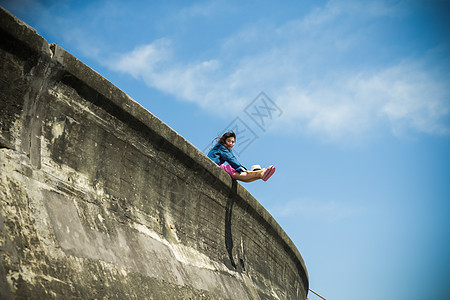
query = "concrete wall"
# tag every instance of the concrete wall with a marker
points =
(101, 200)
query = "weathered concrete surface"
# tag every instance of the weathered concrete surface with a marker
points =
(101, 200)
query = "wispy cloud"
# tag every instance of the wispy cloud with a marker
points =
(154, 63)
(145, 61)
(405, 96)
(313, 68)
(329, 211)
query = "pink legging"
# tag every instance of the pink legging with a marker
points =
(229, 169)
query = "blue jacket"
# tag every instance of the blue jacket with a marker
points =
(220, 154)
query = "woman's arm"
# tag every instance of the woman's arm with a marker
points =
(232, 161)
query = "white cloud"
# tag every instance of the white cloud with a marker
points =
(198, 82)
(406, 96)
(330, 211)
(410, 96)
(303, 65)
(145, 61)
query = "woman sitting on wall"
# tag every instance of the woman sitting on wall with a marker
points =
(222, 153)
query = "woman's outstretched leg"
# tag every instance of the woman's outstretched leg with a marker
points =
(252, 175)
(249, 176)
(246, 176)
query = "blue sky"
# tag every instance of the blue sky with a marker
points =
(360, 130)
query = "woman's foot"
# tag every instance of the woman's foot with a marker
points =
(268, 173)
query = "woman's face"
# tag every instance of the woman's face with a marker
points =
(229, 142)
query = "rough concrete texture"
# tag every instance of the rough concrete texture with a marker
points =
(101, 200)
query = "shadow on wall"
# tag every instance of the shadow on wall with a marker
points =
(228, 217)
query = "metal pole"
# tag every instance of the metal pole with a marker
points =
(317, 294)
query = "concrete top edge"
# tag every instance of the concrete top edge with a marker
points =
(24, 33)
(27, 35)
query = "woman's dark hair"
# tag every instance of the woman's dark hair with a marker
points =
(225, 136)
